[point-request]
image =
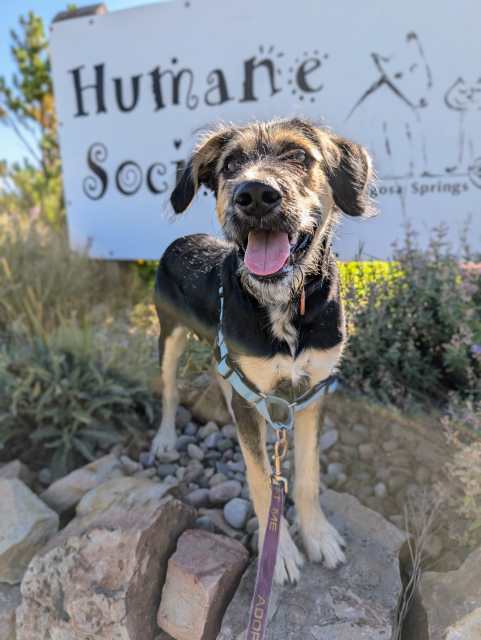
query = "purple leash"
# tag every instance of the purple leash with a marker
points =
(267, 562)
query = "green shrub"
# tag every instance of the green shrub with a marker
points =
(412, 333)
(57, 407)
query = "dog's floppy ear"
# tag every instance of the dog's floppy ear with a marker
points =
(200, 169)
(350, 175)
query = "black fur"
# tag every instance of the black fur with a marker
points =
(187, 287)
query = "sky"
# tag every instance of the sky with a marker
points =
(10, 10)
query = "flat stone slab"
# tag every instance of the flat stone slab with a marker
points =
(356, 601)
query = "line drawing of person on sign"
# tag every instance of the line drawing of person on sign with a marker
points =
(391, 110)
(465, 98)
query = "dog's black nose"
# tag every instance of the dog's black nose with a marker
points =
(256, 198)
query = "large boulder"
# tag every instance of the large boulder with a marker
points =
(26, 524)
(210, 405)
(102, 576)
(9, 600)
(202, 576)
(65, 493)
(126, 492)
(357, 600)
(447, 606)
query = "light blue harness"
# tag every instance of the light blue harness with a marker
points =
(265, 404)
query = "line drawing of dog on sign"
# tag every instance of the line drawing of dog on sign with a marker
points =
(390, 111)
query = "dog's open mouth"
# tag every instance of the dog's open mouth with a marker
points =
(269, 253)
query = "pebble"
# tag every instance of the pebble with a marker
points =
(238, 466)
(168, 457)
(224, 444)
(217, 478)
(341, 480)
(207, 429)
(222, 493)
(245, 492)
(182, 417)
(336, 468)
(183, 442)
(351, 438)
(380, 490)
(212, 440)
(390, 445)
(193, 471)
(229, 431)
(254, 542)
(195, 452)
(191, 429)
(129, 466)
(252, 525)
(45, 476)
(366, 451)
(236, 512)
(204, 522)
(198, 498)
(146, 473)
(166, 469)
(361, 430)
(180, 473)
(328, 439)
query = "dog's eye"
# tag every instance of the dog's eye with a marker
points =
(231, 165)
(296, 155)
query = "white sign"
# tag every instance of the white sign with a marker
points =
(134, 88)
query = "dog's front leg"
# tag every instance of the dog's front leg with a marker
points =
(171, 345)
(252, 438)
(321, 540)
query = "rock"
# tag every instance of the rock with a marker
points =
(208, 430)
(230, 431)
(212, 440)
(448, 605)
(198, 498)
(252, 525)
(352, 438)
(380, 490)
(236, 512)
(9, 601)
(210, 405)
(366, 451)
(225, 491)
(26, 524)
(191, 429)
(358, 600)
(168, 457)
(17, 469)
(126, 492)
(129, 466)
(336, 468)
(182, 417)
(195, 452)
(45, 476)
(201, 578)
(67, 492)
(183, 442)
(102, 575)
(217, 478)
(216, 516)
(390, 446)
(204, 522)
(328, 439)
(166, 469)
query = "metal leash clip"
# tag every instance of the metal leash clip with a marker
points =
(280, 452)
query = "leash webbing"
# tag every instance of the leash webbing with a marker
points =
(267, 561)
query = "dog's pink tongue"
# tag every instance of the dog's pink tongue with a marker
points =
(267, 252)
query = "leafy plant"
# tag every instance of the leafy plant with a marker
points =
(59, 408)
(412, 333)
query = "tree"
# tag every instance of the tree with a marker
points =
(27, 107)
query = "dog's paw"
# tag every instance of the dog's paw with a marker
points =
(324, 544)
(163, 442)
(289, 559)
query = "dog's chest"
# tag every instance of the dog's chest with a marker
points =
(308, 368)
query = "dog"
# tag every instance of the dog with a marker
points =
(280, 187)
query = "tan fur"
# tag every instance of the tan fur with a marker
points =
(266, 373)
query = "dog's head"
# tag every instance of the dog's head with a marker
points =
(278, 186)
